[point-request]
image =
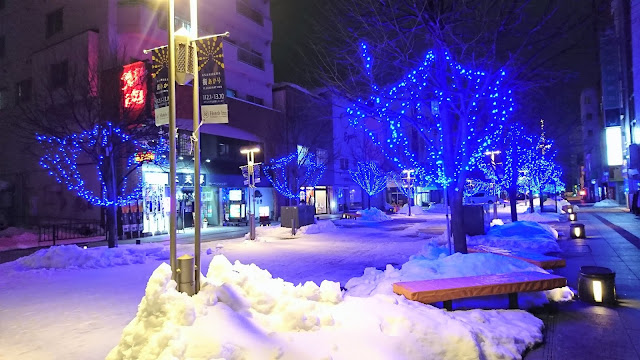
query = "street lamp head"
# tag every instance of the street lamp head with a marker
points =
(250, 150)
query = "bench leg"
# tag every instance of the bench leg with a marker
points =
(513, 301)
(448, 304)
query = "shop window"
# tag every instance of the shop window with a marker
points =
(54, 22)
(184, 144)
(23, 91)
(59, 74)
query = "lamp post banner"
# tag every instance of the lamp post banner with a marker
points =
(213, 107)
(160, 74)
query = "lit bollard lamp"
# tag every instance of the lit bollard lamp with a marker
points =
(573, 216)
(577, 231)
(597, 285)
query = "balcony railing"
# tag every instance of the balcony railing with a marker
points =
(246, 10)
(250, 58)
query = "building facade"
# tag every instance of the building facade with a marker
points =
(75, 42)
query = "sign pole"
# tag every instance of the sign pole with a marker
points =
(172, 140)
(196, 146)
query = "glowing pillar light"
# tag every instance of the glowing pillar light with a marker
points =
(573, 216)
(577, 231)
(613, 135)
(597, 290)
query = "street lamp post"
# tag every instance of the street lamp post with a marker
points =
(251, 182)
(173, 219)
(409, 182)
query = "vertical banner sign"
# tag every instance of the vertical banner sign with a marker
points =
(213, 107)
(160, 74)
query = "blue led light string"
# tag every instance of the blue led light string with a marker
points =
(370, 177)
(290, 188)
(61, 161)
(410, 103)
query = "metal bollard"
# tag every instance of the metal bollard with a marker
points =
(186, 274)
(252, 227)
(293, 227)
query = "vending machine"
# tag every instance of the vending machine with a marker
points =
(236, 208)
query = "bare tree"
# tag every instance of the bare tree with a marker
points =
(99, 117)
(520, 36)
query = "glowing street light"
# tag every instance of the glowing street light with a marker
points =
(251, 182)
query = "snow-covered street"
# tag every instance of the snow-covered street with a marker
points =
(72, 303)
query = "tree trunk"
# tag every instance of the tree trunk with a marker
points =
(531, 209)
(457, 221)
(369, 200)
(111, 210)
(513, 201)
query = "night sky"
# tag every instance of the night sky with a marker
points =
(574, 61)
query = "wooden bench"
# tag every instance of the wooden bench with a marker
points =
(446, 290)
(351, 215)
(540, 260)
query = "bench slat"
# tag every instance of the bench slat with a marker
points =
(540, 260)
(430, 291)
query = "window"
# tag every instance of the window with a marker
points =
(59, 74)
(54, 22)
(255, 99)
(322, 156)
(2, 45)
(232, 93)
(245, 9)
(23, 91)
(4, 98)
(344, 164)
(223, 149)
(1, 4)
(589, 116)
(590, 133)
(587, 100)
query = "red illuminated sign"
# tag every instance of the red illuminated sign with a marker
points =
(134, 89)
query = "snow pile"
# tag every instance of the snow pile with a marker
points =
(539, 217)
(606, 203)
(17, 238)
(373, 214)
(433, 263)
(415, 210)
(519, 236)
(242, 312)
(437, 208)
(322, 226)
(72, 256)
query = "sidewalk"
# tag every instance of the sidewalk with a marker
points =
(577, 330)
(213, 233)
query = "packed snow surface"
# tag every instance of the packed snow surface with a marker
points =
(278, 297)
(606, 203)
(17, 238)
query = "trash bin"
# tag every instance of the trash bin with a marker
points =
(476, 219)
(597, 284)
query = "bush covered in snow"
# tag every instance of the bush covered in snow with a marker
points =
(520, 236)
